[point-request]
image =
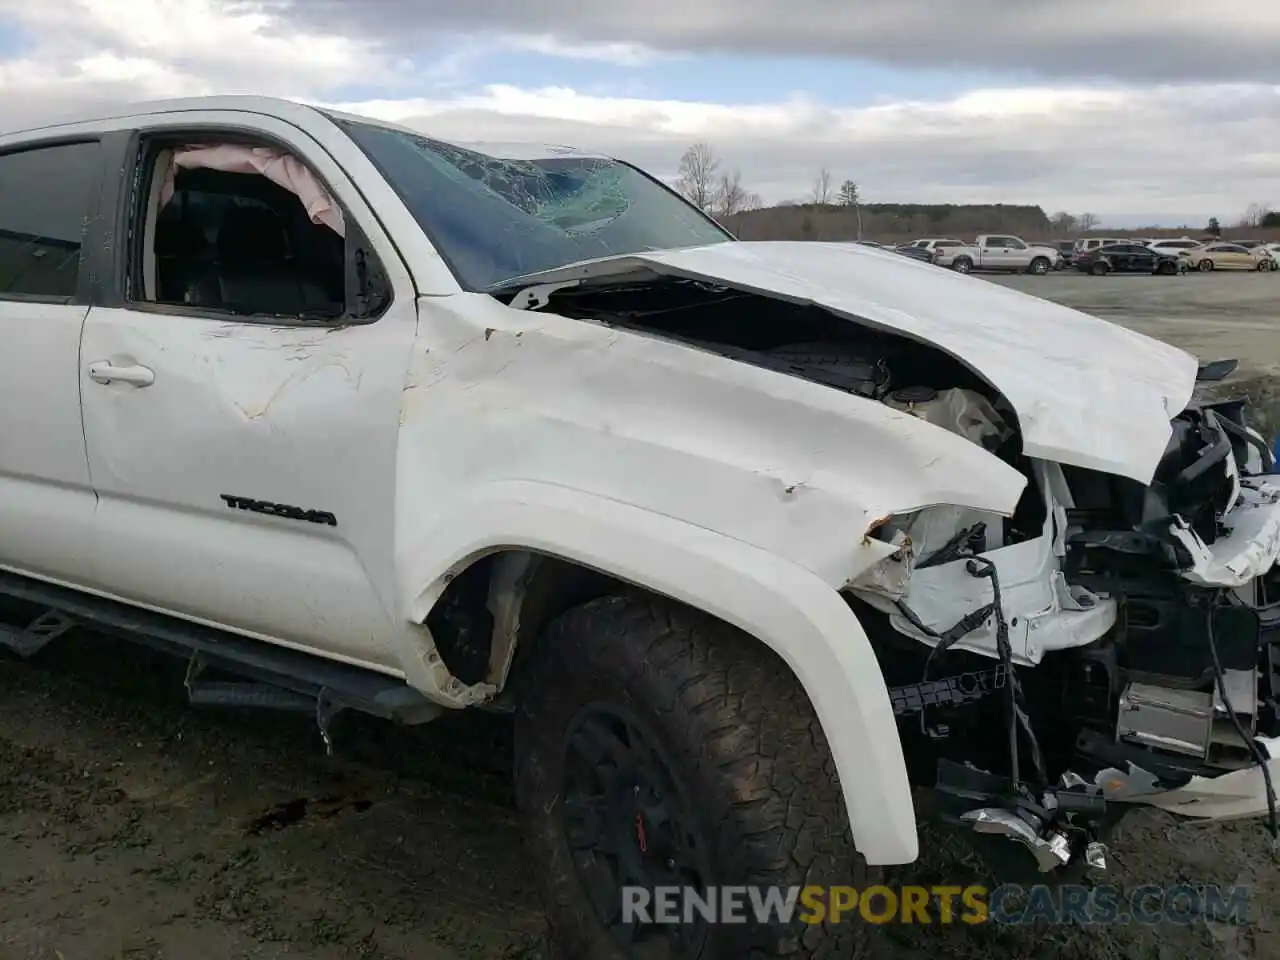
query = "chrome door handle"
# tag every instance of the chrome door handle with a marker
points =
(103, 371)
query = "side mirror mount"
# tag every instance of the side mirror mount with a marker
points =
(368, 290)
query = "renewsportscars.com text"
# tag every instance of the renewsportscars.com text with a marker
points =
(973, 904)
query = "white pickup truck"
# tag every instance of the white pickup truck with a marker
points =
(751, 538)
(999, 253)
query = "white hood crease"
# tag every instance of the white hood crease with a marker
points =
(1087, 392)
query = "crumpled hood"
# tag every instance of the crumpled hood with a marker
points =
(1087, 392)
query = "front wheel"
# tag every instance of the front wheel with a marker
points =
(1264, 266)
(657, 747)
(1205, 266)
(1100, 268)
(1040, 266)
(1167, 269)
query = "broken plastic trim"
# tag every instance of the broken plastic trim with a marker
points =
(1214, 370)
(1248, 436)
(1015, 702)
(1035, 826)
(1057, 828)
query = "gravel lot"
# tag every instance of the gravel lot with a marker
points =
(1212, 315)
(133, 827)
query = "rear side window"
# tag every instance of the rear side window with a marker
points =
(45, 194)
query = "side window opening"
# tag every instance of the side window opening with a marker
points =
(247, 230)
(44, 204)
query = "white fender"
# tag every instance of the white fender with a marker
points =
(780, 603)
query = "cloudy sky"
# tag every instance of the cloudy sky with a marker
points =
(1136, 111)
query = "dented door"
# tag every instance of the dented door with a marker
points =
(245, 472)
(244, 465)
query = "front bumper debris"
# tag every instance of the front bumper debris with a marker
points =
(1237, 795)
(1250, 548)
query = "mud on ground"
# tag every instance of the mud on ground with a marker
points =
(132, 826)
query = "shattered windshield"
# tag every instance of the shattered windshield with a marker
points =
(494, 220)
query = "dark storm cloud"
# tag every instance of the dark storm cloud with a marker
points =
(1164, 40)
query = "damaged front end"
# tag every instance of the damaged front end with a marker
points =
(1111, 639)
(1112, 643)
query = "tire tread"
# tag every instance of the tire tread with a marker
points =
(752, 743)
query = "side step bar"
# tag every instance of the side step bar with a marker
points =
(274, 677)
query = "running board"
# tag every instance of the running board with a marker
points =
(274, 677)
(39, 633)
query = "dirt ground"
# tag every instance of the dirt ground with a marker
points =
(132, 826)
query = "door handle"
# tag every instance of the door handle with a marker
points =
(103, 371)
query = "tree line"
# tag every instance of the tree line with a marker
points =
(718, 190)
(708, 183)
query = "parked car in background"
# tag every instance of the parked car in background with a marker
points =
(1085, 244)
(998, 253)
(1173, 247)
(1066, 249)
(1129, 258)
(914, 252)
(933, 244)
(1228, 256)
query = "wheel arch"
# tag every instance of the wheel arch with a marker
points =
(547, 549)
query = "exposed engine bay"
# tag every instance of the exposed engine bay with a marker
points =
(1109, 643)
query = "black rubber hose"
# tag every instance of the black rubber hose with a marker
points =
(1252, 745)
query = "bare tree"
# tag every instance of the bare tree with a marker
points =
(1063, 222)
(822, 187)
(1086, 222)
(697, 176)
(730, 195)
(1255, 215)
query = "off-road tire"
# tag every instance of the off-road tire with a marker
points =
(739, 732)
